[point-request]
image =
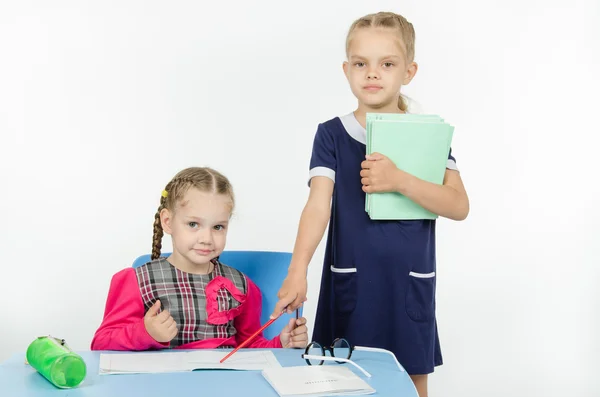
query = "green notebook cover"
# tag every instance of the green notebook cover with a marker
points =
(396, 117)
(393, 117)
(417, 145)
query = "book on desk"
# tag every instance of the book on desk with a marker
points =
(316, 381)
(418, 144)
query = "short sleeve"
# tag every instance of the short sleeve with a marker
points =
(451, 164)
(322, 161)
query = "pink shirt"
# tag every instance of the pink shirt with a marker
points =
(123, 325)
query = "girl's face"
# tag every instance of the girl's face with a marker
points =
(198, 228)
(377, 68)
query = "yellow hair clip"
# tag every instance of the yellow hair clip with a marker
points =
(165, 193)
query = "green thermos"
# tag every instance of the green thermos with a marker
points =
(53, 359)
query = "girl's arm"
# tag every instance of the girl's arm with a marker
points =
(449, 200)
(313, 222)
(123, 325)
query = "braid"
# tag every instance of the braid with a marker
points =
(158, 231)
(171, 188)
(177, 184)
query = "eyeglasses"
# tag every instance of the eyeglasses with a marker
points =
(340, 351)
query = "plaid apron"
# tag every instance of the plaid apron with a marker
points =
(202, 305)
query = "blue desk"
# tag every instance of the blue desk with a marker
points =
(20, 380)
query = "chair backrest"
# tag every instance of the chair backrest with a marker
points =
(266, 269)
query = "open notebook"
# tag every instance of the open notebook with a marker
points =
(415, 143)
(183, 361)
(317, 380)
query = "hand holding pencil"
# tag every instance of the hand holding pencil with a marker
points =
(292, 293)
(295, 333)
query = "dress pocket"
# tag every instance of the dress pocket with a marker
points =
(420, 296)
(344, 288)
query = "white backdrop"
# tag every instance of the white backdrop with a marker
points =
(102, 103)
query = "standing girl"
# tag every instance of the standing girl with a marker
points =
(378, 280)
(189, 300)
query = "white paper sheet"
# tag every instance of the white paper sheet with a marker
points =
(144, 362)
(318, 380)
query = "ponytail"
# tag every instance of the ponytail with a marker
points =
(402, 105)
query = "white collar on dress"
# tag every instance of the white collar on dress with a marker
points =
(357, 132)
(353, 128)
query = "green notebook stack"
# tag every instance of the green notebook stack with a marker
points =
(418, 144)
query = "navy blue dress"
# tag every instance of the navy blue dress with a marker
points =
(378, 281)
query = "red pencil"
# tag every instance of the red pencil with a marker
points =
(253, 336)
(250, 338)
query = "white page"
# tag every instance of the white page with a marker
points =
(317, 380)
(142, 362)
(250, 360)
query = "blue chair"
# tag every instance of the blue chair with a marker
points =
(266, 269)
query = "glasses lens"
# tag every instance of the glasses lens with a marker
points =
(314, 349)
(341, 348)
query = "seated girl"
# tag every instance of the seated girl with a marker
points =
(189, 300)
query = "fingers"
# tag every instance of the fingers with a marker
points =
(294, 305)
(163, 317)
(299, 301)
(294, 324)
(154, 309)
(170, 325)
(281, 304)
(295, 333)
(375, 156)
(299, 336)
(168, 329)
(290, 325)
(172, 330)
(167, 323)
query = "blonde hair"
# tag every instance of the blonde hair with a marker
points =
(204, 179)
(388, 20)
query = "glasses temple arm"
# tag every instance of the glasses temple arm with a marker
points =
(324, 358)
(374, 349)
